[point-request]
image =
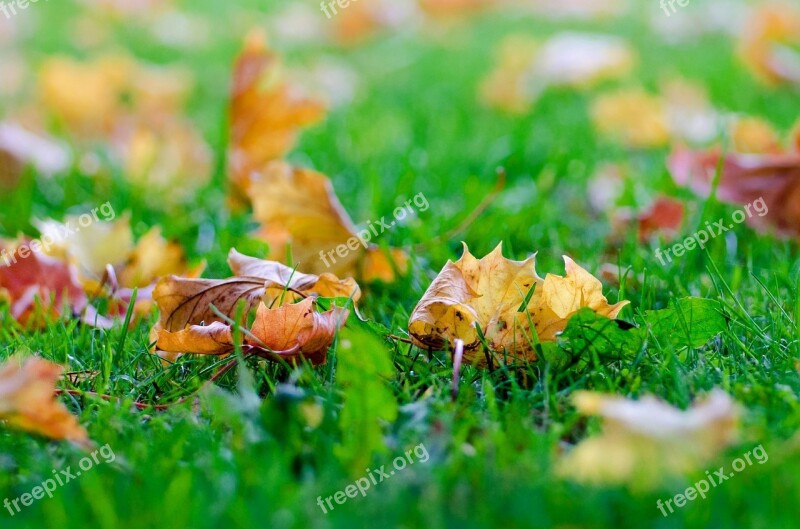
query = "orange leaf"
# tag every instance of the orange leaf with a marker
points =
(266, 112)
(27, 400)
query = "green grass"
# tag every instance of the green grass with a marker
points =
(229, 460)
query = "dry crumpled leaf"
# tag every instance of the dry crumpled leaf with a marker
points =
(471, 295)
(297, 207)
(525, 69)
(187, 302)
(770, 45)
(290, 331)
(28, 402)
(645, 441)
(767, 184)
(189, 324)
(30, 280)
(265, 112)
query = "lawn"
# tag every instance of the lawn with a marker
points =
(265, 443)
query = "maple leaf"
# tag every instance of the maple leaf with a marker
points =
(27, 400)
(290, 331)
(265, 111)
(499, 299)
(767, 184)
(187, 303)
(646, 441)
(30, 281)
(298, 208)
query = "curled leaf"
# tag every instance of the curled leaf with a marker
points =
(192, 306)
(289, 331)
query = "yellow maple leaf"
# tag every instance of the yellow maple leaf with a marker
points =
(472, 297)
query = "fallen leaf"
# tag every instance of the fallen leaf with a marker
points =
(266, 113)
(290, 331)
(767, 184)
(301, 215)
(472, 298)
(184, 303)
(647, 441)
(28, 402)
(30, 280)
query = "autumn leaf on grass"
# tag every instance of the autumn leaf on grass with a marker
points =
(290, 331)
(767, 186)
(110, 263)
(28, 402)
(185, 305)
(645, 442)
(498, 300)
(770, 44)
(298, 209)
(266, 113)
(39, 288)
